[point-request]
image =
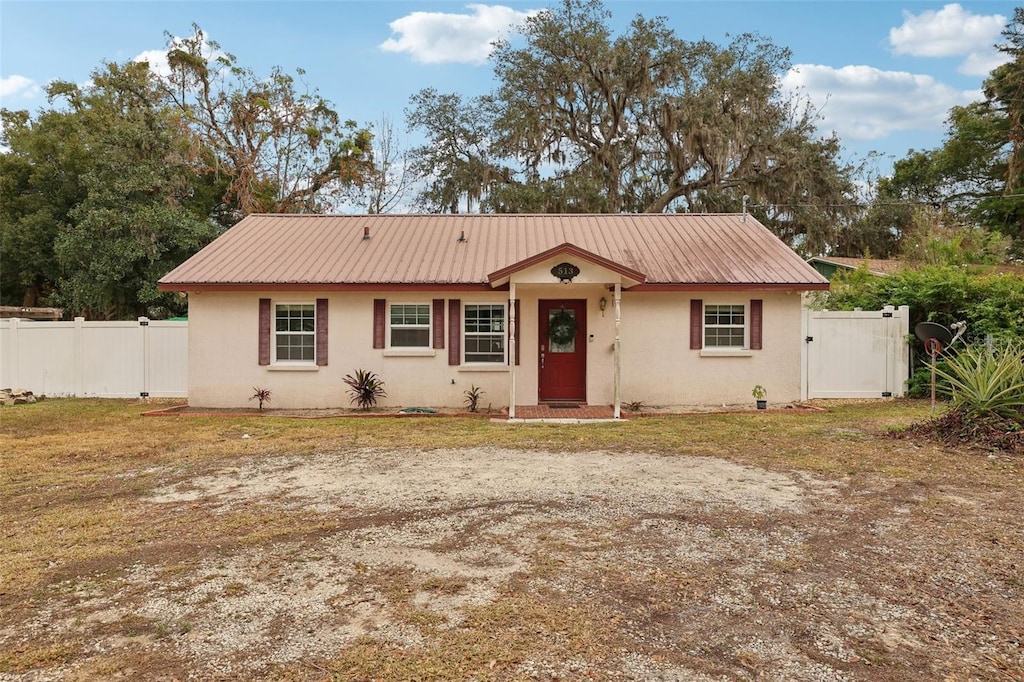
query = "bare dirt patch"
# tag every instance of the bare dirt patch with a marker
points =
(479, 562)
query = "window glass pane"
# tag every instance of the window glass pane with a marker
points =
(410, 314)
(485, 348)
(404, 336)
(295, 325)
(724, 326)
(570, 345)
(484, 327)
(410, 325)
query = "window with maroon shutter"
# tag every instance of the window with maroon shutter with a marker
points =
(379, 323)
(454, 331)
(264, 331)
(696, 324)
(321, 332)
(756, 314)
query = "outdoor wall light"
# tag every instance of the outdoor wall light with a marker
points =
(602, 304)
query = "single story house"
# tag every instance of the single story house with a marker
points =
(666, 309)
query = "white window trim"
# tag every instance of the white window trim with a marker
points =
(290, 365)
(726, 351)
(482, 366)
(411, 351)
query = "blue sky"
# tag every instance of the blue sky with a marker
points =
(883, 74)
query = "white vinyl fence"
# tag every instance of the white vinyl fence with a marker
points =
(847, 354)
(146, 358)
(856, 353)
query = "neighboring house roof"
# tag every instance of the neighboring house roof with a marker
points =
(30, 313)
(882, 267)
(364, 251)
(876, 266)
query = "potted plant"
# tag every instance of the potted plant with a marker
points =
(759, 394)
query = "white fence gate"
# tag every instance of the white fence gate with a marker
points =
(856, 354)
(147, 358)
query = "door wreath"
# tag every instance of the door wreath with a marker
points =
(562, 327)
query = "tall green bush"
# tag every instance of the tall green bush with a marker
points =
(989, 303)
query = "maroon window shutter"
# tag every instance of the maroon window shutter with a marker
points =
(438, 323)
(756, 314)
(518, 324)
(696, 324)
(379, 305)
(454, 331)
(321, 332)
(264, 339)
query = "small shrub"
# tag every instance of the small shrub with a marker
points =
(759, 392)
(261, 394)
(473, 394)
(365, 387)
(984, 383)
(634, 406)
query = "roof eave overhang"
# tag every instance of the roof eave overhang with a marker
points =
(400, 286)
(629, 277)
(733, 286)
(322, 286)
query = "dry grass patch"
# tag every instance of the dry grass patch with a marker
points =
(694, 547)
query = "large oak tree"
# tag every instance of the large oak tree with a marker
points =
(584, 120)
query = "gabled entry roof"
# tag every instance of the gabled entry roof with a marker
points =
(291, 251)
(628, 276)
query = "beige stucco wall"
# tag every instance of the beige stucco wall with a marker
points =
(662, 370)
(657, 368)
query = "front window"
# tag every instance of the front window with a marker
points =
(724, 326)
(295, 332)
(485, 333)
(410, 325)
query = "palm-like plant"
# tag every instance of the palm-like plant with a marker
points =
(261, 394)
(983, 382)
(365, 387)
(473, 394)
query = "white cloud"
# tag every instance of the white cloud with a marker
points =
(865, 103)
(982, 63)
(438, 37)
(157, 61)
(951, 32)
(18, 86)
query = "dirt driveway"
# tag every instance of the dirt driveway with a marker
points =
(488, 563)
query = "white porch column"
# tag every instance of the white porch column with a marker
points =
(512, 350)
(617, 407)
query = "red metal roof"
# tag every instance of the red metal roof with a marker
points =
(330, 251)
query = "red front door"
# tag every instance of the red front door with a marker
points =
(563, 350)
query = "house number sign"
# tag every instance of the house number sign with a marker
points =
(565, 272)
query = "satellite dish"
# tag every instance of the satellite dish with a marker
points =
(934, 335)
(936, 338)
